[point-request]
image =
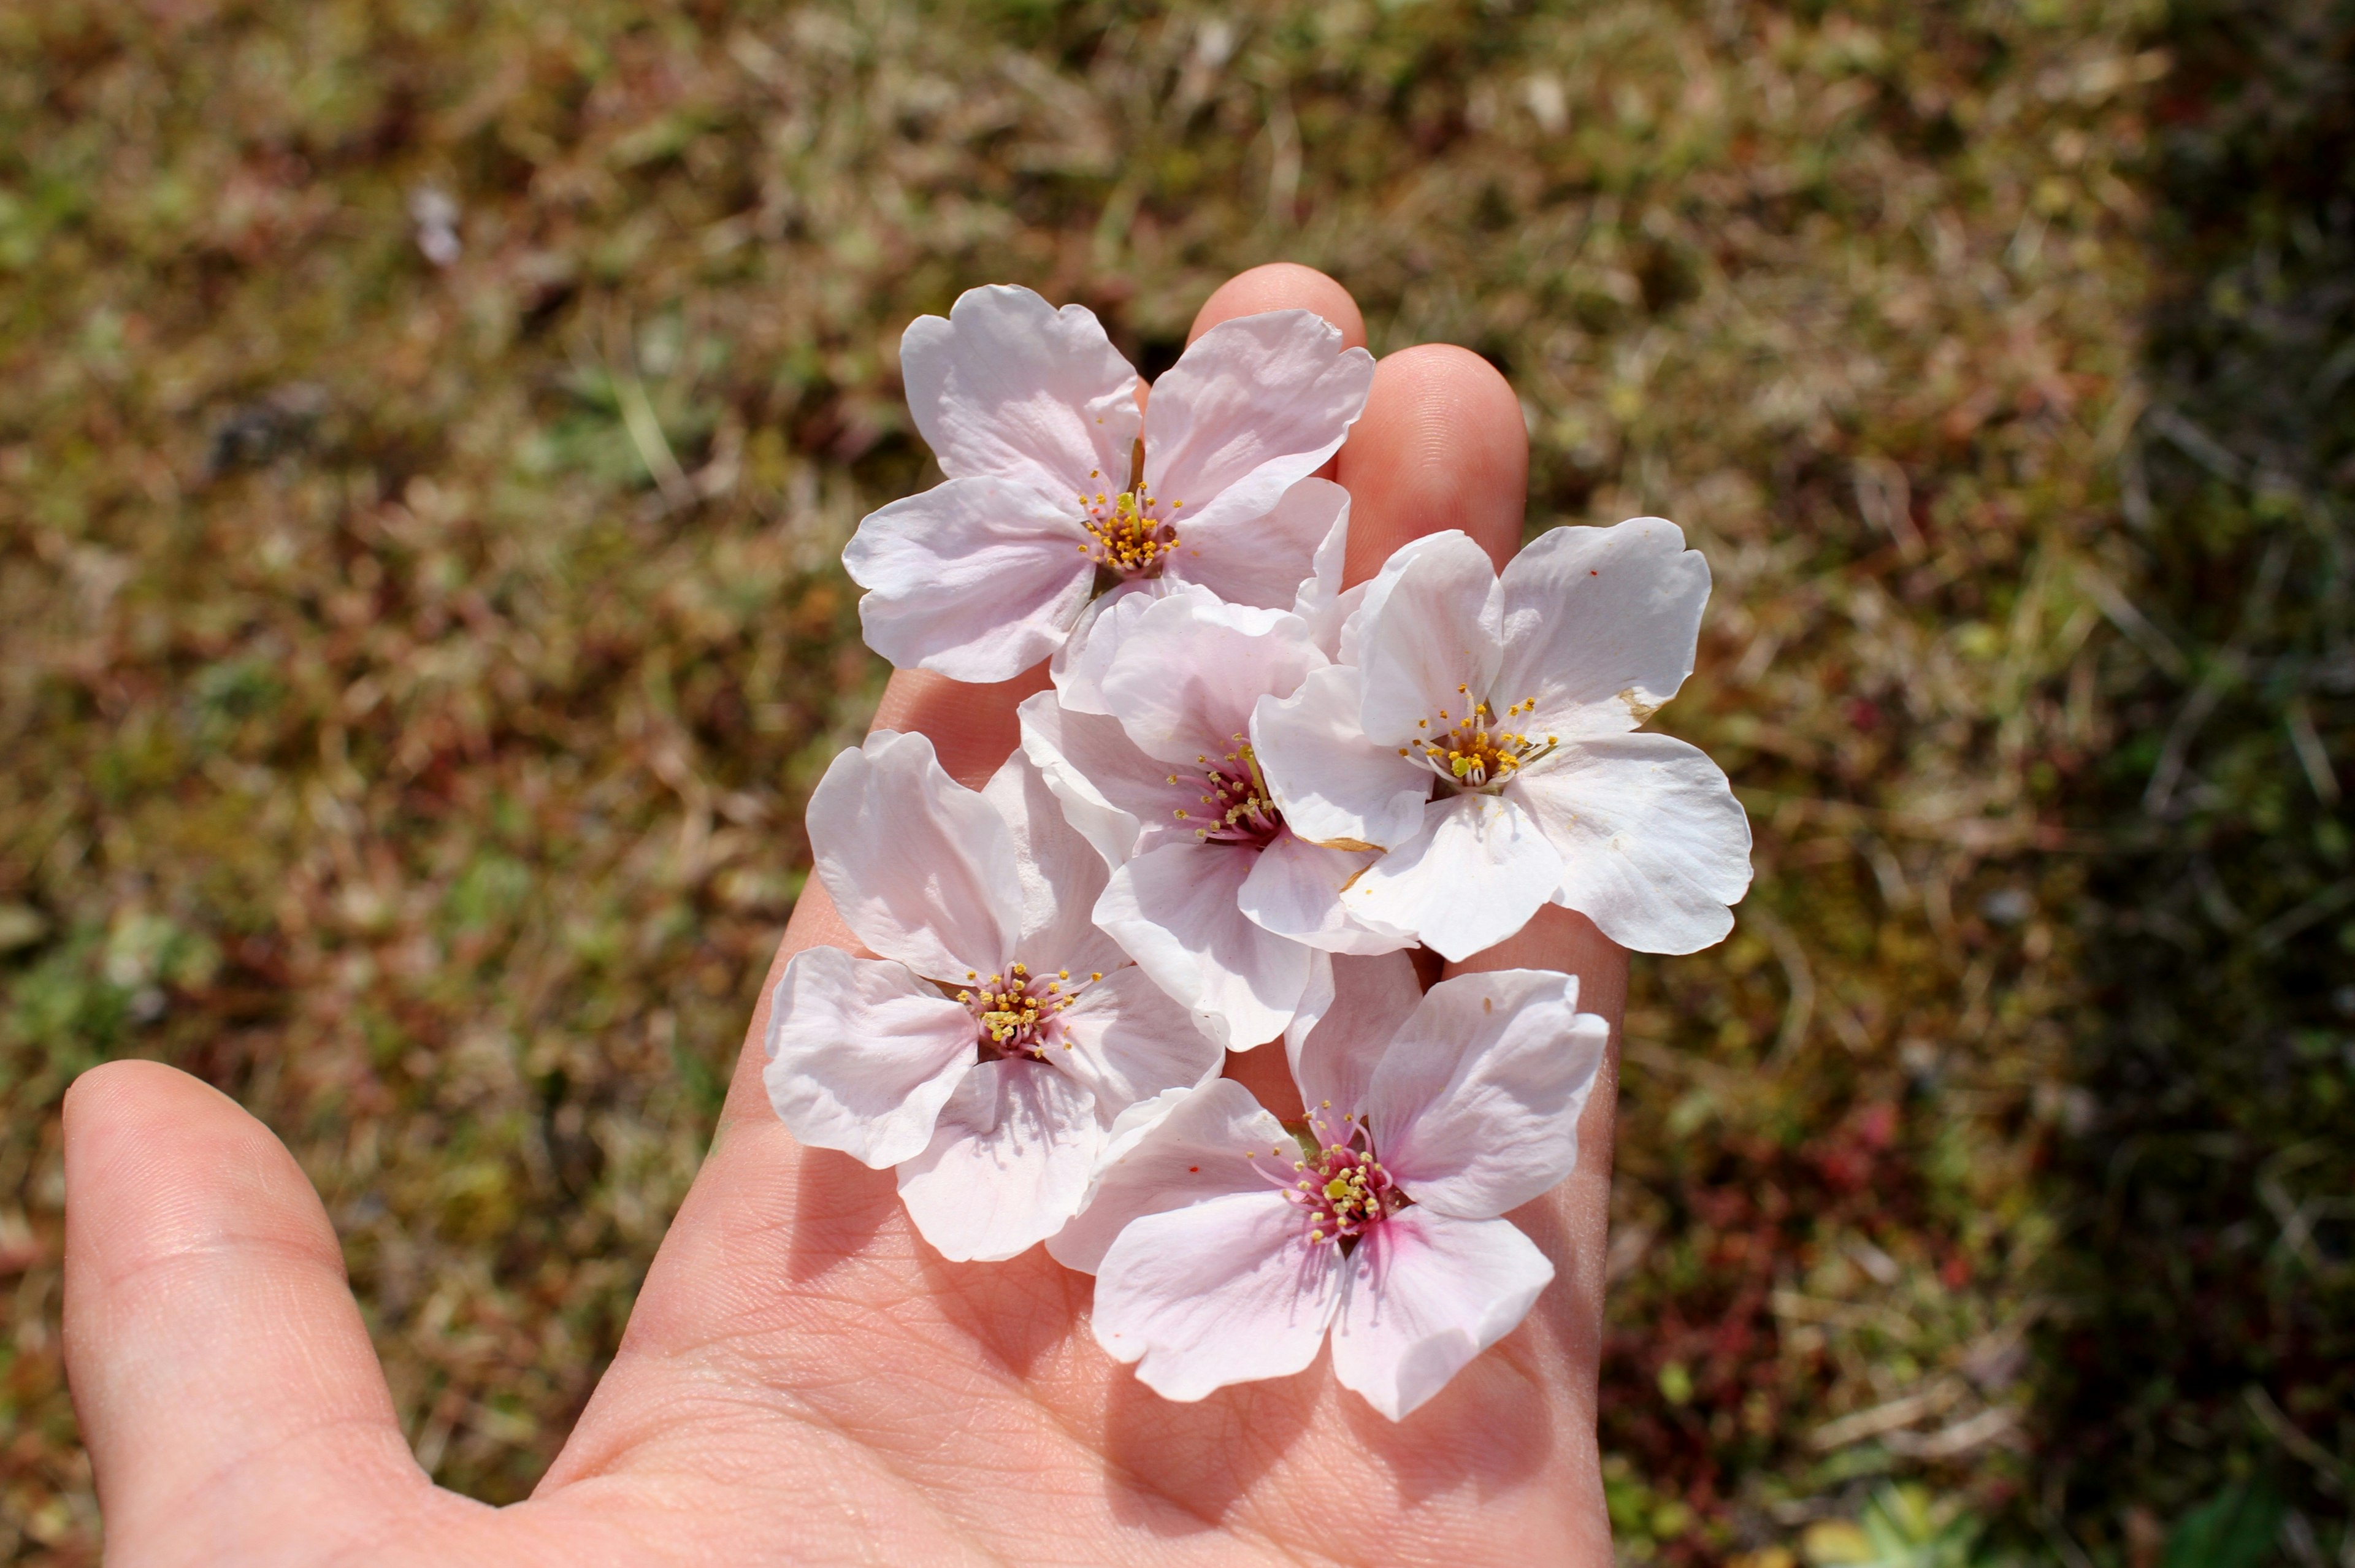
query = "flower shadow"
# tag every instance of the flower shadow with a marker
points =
(1183, 1469)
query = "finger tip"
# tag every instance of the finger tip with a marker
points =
(1282, 285)
(1443, 444)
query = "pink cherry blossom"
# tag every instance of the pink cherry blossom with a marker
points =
(987, 1050)
(1225, 907)
(1058, 488)
(1481, 730)
(1226, 1251)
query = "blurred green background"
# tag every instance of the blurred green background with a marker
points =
(427, 430)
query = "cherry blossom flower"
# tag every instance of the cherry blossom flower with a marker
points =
(1223, 905)
(1481, 730)
(1226, 1250)
(1058, 488)
(996, 1037)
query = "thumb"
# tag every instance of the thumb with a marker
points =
(225, 1383)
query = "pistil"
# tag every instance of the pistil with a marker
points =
(1475, 754)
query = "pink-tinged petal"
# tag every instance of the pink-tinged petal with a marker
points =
(978, 579)
(1060, 872)
(1373, 1000)
(1473, 877)
(1294, 890)
(1654, 845)
(1253, 407)
(1173, 910)
(1009, 385)
(1600, 625)
(1321, 600)
(1114, 795)
(1130, 1040)
(1430, 640)
(918, 865)
(1424, 1295)
(1334, 786)
(1474, 1107)
(1228, 1290)
(1079, 666)
(862, 1055)
(1179, 1147)
(1009, 1163)
(1188, 671)
(1264, 561)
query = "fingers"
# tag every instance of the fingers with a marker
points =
(1441, 445)
(218, 1363)
(1282, 285)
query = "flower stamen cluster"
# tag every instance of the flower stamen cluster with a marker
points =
(1019, 1014)
(1473, 758)
(1128, 538)
(1240, 808)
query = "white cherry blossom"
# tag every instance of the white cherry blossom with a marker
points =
(1225, 907)
(1482, 732)
(1226, 1250)
(1058, 488)
(991, 1044)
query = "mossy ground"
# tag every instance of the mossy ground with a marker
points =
(413, 671)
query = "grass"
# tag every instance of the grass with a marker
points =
(413, 672)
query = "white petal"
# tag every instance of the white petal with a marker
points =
(1179, 1147)
(1224, 1291)
(1113, 794)
(1474, 1107)
(1294, 890)
(1008, 1165)
(1190, 668)
(1334, 786)
(1173, 910)
(1253, 406)
(920, 868)
(1654, 845)
(1373, 1000)
(1430, 640)
(1424, 1294)
(1600, 624)
(1079, 665)
(1473, 877)
(862, 1055)
(1264, 561)
(1009, 385)
(1061, 875)
(1130, 1040)
(1317, 601)
(978, 579)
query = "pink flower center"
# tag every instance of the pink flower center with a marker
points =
(1238, 808)
(1021, 1014)
(1475, 753)
(1130, 534)
(1342, 1187)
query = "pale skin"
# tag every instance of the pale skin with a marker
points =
(803, 1380)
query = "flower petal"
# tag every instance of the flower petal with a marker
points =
(1294, 890)
(1173, 910)
(1334, 786)
(918, 865)
(978, 579)
(1253, 406)
(1179, 1147)
(1473, 877)
(1430, 639)
(1600, 624)
(862, 1055)
(1474, 1107)
(1079, 665)
(1130, 1040)
(1224, 1291)
(1373, 1000)
(1262, 560)
(1321, 600)
(1008, 1165)
(1424, 1295)
(1007, 385)
(1654, 845)
(1061, 875)
(1191, 667)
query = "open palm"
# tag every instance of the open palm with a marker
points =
(803, 1379)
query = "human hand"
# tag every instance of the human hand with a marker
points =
(803, 1379)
